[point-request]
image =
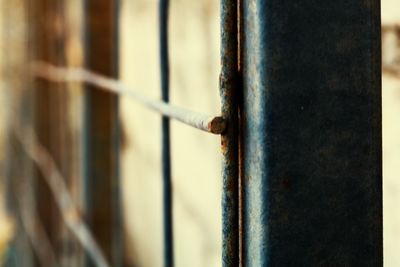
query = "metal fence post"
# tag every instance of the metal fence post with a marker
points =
(311, 126)
(229, 139)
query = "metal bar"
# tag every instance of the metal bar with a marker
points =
(229, 140)
(207, 123)
(101, 132)
(311, 125)
(166, 143)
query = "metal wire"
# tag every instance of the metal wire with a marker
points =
(211, 124)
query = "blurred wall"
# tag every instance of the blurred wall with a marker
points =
(391, 130)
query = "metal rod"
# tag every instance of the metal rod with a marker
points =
(229, 140)
(166, 142)
(207, 123)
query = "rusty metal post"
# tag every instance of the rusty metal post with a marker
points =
(311, 125)
(101, 185)
(229, 139)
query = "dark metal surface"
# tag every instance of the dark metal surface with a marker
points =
(229, 140)
(311, 122)
(101, 185)
(166, 143)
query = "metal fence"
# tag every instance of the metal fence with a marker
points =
(300, 130)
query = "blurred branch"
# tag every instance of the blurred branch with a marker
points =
(52, 176)
(392, 70)
(34, 229)
(390, 27)
(391, 67)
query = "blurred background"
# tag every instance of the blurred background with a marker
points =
(196, 169)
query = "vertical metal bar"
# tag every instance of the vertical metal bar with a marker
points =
(166, 153)
(229, 139)
(101, 151)
(311, 125)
